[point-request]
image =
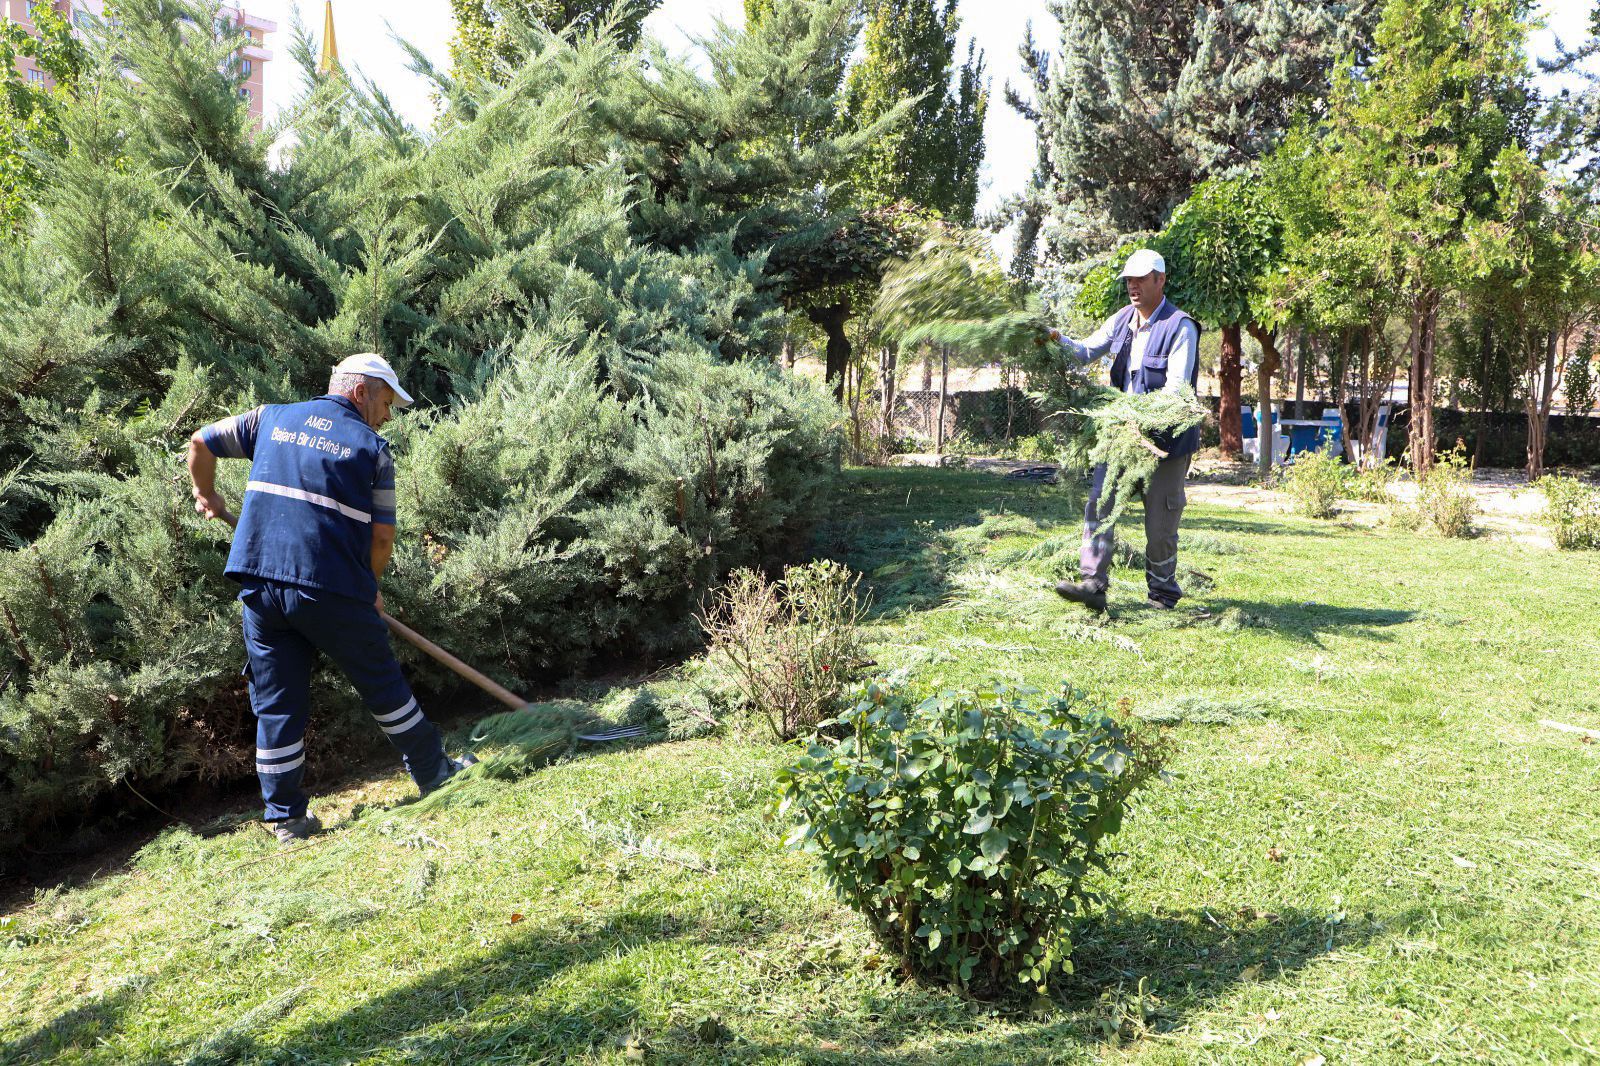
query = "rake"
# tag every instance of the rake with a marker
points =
(477, 677)
(488, 684)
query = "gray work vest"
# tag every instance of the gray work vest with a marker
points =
(1151, 373)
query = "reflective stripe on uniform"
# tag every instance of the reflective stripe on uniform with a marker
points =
(280, 768)
(410, 706)
(309, 497)
(415, 719)
(278, 753)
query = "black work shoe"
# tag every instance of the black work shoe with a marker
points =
(452, 768)
(1091, 596)
(294, 830)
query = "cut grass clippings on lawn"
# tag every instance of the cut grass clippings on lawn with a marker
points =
(1391, 862)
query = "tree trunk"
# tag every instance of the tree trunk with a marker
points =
(887, 360)
(1485, 351)
(831, 320)
(1265, 369)
(944, 392)
(1425, 320)
(927, 368)
(788, 350)
(1300, 376)
(1355, 444)
(1228, 375)
(1539, 408)
(853, 375)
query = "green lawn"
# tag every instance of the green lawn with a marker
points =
(1372, 853)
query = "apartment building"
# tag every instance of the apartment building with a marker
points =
(251, 60)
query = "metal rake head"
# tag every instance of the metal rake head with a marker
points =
(619, 733)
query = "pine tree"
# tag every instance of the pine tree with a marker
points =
(1144, 101)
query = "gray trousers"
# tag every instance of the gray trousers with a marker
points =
(1163, 508)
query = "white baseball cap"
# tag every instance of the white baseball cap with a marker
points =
(1142, 262)
(373, 365)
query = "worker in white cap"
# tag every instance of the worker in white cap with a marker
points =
(315, 531)
(1150, 346)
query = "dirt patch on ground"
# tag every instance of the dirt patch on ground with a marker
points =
(1507, 505)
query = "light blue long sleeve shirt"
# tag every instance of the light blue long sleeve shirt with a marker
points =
(1181, 361)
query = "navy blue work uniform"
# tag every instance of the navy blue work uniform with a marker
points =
(320, 477)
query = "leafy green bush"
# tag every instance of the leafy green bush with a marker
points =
(792, 648)
(1315, 481)
(1445, 500)
(1375, 484)
(1038, 448)
(962, 825)
(1572, 511)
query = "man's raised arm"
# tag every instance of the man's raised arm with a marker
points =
(1096, 346)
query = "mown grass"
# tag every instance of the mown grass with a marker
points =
(1372, 851)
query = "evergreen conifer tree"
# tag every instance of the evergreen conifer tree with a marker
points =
(600, 437)
(487, 35)
(1144, 101)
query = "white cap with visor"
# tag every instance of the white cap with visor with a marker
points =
(373, 365)
(1144, 261)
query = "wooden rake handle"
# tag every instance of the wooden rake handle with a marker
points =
(444, 658)
(433, 651)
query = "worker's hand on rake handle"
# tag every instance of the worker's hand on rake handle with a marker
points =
(212, 505)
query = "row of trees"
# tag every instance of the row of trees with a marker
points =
(1398, 197)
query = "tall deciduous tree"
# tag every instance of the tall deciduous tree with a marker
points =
(29, 121)
(1412, 143)
(930, 161)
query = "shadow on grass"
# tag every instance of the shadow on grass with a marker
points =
(1136, 975)
(82, 1027)
(1306, 622)
(1220, 523)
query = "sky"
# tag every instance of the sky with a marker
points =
(364, 30)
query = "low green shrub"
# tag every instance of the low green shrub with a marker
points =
(1315, 481)
(962, 825)
(1572, 511)
(1445, 499)
(1039, 448)
(1375, 484)
(792, 649)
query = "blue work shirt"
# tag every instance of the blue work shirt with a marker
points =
(319, 478)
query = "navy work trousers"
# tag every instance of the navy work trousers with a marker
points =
(1164, 500)
(284, 628)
